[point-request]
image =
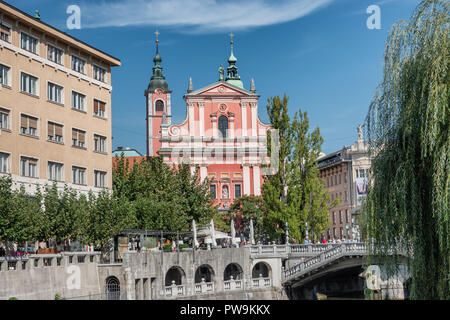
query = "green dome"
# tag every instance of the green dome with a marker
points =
(236, 83)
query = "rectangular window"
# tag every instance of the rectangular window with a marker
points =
(212, 191)
(78, 101)
(28, 167)
(28, 125)
(78, 138)
(54, 54)
(54, 92)
(99, 108)
(346, 215)
(237, 191)
(78, 64)
(28, 43)
(367, 173)
(345, 177)
(54, 171)
(335, 179)
(340, 178)
(5, 31)
(345, 196)
(4, 75)
(334, 218)
(4, 162)
(99, 143)
(55, 132)
(99, 74)
(78, 175)
(361, 173)
(340, 216)
(28, 84)
(4, 119)
(99, 179)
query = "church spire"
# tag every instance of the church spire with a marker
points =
(232, 70)
(157, 80)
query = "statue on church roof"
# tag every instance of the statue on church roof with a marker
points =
(221, 73)
(360, 133)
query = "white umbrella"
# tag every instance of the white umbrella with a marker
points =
(213, 236)
(194, 229)
(252, 233)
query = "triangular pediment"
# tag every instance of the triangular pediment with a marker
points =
(221, 88)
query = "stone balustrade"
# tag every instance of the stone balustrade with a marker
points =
(203, 287)
(175, 290)
(30, 261)
(333, 253)
(232, 284)
(261, 282)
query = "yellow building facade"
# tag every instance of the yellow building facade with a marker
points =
(55, 106)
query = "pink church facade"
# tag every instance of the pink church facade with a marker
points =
(222, 137)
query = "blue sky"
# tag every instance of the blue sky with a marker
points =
(319, 52)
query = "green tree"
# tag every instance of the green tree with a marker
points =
(19, 213)
(108, 216)
(307, 197)
(295, 194)
(163, 197)
(409, 135)
(250, 207)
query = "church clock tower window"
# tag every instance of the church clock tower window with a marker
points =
(159, 106)
(223, 126)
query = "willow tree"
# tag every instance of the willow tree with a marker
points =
(408, 131)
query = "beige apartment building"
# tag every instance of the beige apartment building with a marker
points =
(55, 106)
(345, 173)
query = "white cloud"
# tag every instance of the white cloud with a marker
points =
(196, 15)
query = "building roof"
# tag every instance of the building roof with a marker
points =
(42, 26)
(126, 153)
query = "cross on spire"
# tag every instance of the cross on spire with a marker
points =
(157, 34)
(231, 37)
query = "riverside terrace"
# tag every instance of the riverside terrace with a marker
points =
(249, 272)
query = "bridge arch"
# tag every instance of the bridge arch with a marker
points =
(233, 270)
(176, 274)
(112, 288)
(262, 269)
(205, 271)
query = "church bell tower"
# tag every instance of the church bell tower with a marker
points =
(158, 104)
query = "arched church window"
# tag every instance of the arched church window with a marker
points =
(223, 126)
(159, 106)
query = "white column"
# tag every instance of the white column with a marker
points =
(254, 117)
(203, 173)
(201, 112)
(246, 173)
(244, 118)
(256, 180)
(231, 130)
(191, 119)
(214, 125)
(169, 109)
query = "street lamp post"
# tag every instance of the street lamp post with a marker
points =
(287, 233)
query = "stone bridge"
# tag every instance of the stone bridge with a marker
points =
(250, 272)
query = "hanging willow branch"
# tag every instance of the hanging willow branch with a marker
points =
(409, 136)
